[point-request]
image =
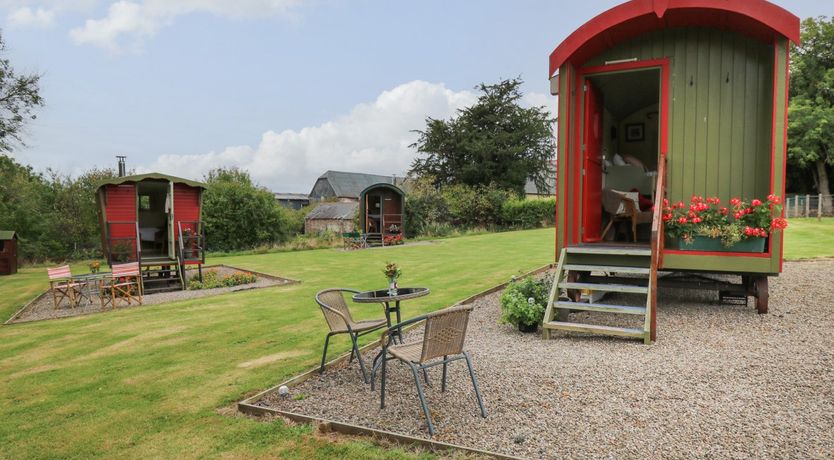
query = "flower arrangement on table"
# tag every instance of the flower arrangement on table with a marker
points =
(95, 266)
(392, 240)
(731, 224)
(393, 272)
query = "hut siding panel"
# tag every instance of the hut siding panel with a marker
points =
(186, 204)
(121, 207)
(731, 120)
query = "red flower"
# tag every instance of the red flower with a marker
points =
(724, 211)
(779, 223)
(667, 217)
(756, 202)
(739, 215)
(682, 220)
(748, 210)
(714, 200)
(665, 202)
(680, 204)
(735, 202)
(696, 220)
(775, 199)
(748, 231)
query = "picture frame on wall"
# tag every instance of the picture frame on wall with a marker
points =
(635, 132)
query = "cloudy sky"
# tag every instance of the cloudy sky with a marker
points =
(284, 88)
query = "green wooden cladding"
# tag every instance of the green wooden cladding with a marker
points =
(721, 120)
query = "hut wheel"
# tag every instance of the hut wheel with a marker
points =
(760, 289)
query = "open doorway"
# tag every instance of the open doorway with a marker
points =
(621, 139)
(154, 210)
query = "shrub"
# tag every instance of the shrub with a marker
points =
(212, 279)
(523, 213)
(524, 301)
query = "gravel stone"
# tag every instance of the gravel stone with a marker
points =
(722, 381)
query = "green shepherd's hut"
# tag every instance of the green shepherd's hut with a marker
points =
(674, 99)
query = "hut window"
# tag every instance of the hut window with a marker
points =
(144, 202)
(2, 246)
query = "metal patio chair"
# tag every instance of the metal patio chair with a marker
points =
(443, 337)
(340, 321)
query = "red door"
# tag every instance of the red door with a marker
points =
(592, 165)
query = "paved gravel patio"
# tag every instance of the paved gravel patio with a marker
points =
(722, 381)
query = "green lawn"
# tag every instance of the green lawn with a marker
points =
(154, 381)
(809, 238)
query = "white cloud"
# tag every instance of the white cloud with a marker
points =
(26, 16)
(143, 19)
(372, 138)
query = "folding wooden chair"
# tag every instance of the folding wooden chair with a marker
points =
(62, 285)
(125, 283)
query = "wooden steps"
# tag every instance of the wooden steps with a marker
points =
(595, 329)
(573, 276)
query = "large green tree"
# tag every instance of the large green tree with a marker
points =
(495, 141)
(240, 215)
(811, 110)
(19, 96)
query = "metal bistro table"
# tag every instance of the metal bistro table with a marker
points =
(387, 299)
(90, 285)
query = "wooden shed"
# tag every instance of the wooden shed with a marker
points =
(8, 252)
(674, 99)
(381, 209)
(154, 219)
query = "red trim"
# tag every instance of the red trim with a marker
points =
(785, 147)
(762, 255)
(756, 18)
(577, 156)
(563, 202)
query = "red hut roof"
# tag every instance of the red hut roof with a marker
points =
(757, 18)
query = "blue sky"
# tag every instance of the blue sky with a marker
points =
(284, 88)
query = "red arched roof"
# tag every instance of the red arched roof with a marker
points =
(756, 18)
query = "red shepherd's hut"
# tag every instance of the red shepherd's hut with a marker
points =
(154, 219)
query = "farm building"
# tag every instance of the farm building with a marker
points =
(381, 208)
(674, 99)
(292, 200)
(345, 186)
(331, 217)
(8, 252)
(154, 219)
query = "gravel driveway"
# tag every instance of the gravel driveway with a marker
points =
(722, 381)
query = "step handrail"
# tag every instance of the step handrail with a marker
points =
(656, 246)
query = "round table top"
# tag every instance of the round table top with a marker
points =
(383, 296)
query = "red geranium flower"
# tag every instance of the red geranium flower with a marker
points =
(724, 211)
(682, 220)
(735, 202)
(756, 202)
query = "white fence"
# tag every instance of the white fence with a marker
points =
(809, 206)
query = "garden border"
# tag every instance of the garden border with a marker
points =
(248, 406)
(38, 297)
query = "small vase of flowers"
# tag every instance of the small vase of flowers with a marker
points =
(393, 272)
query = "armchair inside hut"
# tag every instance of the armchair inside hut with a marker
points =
(624, 215)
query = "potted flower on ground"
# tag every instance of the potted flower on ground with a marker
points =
(523, 303)
(706, 225)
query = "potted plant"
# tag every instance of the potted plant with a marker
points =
(523, 303)
(95, 266)
(706, 225)
(393, 272)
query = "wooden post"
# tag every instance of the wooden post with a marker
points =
(807, 205)
(819, 207)
(796, 206)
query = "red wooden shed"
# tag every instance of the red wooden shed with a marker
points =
(154, 219)
(8, 252)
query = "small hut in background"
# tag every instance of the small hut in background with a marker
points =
(331, 217)
(381, 211)
(8, 252)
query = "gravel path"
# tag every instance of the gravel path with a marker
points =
(721, 381)
(44, 308)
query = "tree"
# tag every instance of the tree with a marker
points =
(19, 95)
(811, 109)
(495, 141)
(240, 215)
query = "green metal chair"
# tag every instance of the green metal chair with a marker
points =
(339, 320)
(443, 337)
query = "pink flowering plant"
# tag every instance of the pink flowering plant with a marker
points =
(731, 224)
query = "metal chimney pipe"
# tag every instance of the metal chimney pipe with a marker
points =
(121, 165)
